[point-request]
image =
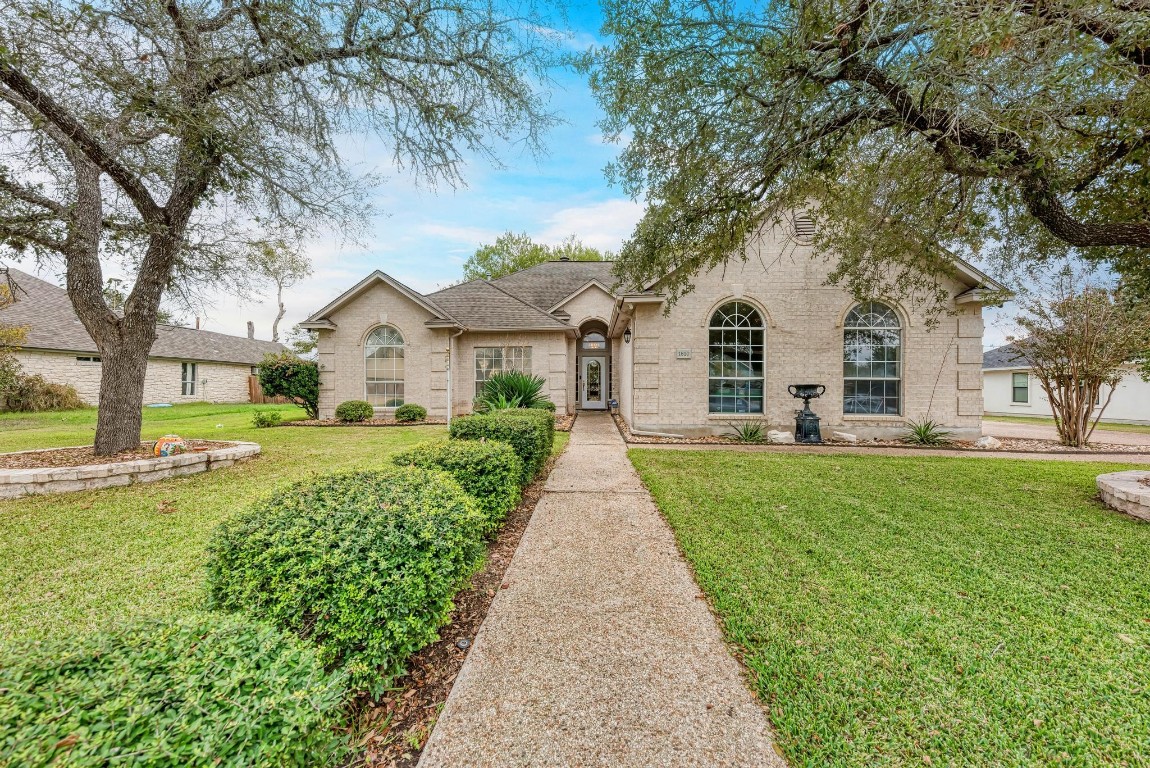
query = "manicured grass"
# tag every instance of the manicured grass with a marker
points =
(80, 560)
(1103, 426)
(923, 611)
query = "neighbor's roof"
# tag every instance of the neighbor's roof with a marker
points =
(1007, 356)
(53, 325)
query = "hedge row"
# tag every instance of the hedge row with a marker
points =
(208, 690)
(328, 585)
(363, 564)
(529, 431)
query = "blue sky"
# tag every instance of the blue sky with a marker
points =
(422, 236)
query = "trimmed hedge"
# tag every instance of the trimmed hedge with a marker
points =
(410, 412)
(525, 437)
(544, 424)
(208, 690)
(490, 471)
(354, 410)
(365, 564)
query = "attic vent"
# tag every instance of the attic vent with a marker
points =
(803, 228)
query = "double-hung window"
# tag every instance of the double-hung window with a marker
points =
(872, 360)
(492, 360)
(188, 379)
(1020, 388)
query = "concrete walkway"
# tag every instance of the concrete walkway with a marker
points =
(1048, 432)
(600, 650)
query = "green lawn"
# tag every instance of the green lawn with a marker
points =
(923, 611)
(1048, 422)
(75, 561)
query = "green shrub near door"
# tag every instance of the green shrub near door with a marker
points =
(488, 470)
(207, 690)
(363, 564)
(522, 428)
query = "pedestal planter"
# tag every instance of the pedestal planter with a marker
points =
(24, 482)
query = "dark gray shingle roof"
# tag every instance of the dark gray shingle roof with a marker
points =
(1006, 356)
(481, 304)
(52, 324)
(546, 284)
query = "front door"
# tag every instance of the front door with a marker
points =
(594, 394)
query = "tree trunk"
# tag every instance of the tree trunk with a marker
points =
(122, 372)
(282, 312)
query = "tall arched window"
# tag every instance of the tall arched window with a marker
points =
(736, 340)
(383, 364)
(872, 360)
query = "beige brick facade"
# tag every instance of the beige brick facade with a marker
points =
(667, 362)
(660, 378)
(215, 382)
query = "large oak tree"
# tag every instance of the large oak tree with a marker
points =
(166, 133)
(903, 127)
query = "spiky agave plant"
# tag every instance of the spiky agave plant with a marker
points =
(926, 432)
(511, 389)
(747, 431)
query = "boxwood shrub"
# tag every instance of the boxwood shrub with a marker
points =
(364, 564)
(523, 436)
(410, 412)
(544, 424)
(354, 410)
(490, 471)
(206, 690)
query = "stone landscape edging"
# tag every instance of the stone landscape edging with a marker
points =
(1125, 492)
(15, 483)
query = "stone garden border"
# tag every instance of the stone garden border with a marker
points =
(1125, 492)
(15, 483)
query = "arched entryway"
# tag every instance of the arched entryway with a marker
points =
(593, 366)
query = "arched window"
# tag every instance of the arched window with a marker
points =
(736, 340)
(383, 358)
(872, 360)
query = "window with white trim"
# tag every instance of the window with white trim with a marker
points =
(492, 360)
(384, 367)
(188, 379)
(872, 360)
(1020, 387)
(736, 341)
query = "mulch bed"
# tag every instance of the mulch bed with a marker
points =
(562, 423)
(391, 731)
(1009, 444)
(85, 457)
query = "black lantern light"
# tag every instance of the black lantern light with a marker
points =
(627, 336)
(806, 422)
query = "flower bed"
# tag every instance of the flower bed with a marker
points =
(61, 470)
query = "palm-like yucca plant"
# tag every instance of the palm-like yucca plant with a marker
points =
(926, 432)
(511, 389)
(747, 431)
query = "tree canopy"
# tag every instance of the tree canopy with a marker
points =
(903, 128)
(169, 135)
(512, 252)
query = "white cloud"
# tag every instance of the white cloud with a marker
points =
(603, 225)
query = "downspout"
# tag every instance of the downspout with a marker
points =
(451, 364)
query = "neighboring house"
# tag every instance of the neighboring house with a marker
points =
(1010, 388)
(185, 365)
(725, 352)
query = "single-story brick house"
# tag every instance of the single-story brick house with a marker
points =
(185, 365)
(725, 352)
(1010, 388)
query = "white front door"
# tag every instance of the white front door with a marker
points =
(594, 378)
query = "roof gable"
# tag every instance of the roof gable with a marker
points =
(483, 305)
(322, 319)
(592, 283)
(548, 284)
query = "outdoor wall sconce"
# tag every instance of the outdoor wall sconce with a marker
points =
(627, 336)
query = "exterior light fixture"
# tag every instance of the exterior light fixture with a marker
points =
(627, 336)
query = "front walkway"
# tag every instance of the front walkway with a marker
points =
(599, 650)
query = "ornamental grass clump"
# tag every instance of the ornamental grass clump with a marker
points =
(489, 471)
(363, 564)
(206, 690)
